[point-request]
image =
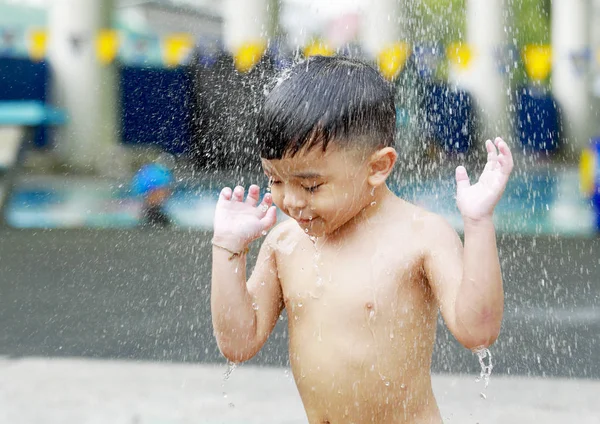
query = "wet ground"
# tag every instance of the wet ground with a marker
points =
(145, 296)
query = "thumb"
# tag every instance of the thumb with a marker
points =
(462, 179)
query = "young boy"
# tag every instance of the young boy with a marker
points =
(361, 272)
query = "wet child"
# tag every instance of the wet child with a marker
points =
(361, 272)
(153, 181)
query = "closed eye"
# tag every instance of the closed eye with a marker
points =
(312, 189)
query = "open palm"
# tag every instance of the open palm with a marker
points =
(238, 222)
(478, 201)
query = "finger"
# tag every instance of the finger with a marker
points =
(270, 218)
(225, 194)
(253, 193)
(265, 204)
(462, 179)
(505, 158)
(238, 194)
(491, 150)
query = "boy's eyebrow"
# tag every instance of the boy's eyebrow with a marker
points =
(307, 175)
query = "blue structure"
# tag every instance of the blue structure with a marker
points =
(451, 117)
(155, 107)
(27, 82)
(538, 120)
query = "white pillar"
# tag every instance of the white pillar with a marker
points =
(570, 76)
(245, 21)
(83, 86)
(382, 25)
(595, 79)
(486, 37)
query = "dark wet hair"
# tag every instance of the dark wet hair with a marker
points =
(324, 99)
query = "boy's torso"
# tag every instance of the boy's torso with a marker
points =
(362, 323)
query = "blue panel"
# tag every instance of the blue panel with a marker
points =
(155, 107)
(450, 115)
(23, 79)
(538, 121)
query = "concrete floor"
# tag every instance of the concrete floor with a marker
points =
(68, 391)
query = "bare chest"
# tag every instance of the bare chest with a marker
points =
(351, 283)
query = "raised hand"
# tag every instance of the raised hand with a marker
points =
(237, 222)
(478, 201)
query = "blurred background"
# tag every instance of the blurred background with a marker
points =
(120, 121)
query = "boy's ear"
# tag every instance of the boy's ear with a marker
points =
(381, 164)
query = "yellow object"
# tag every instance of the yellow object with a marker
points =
(107, 45)
(38, 42)
(318, 48)
(460, 55)
(176, 47)
(538, 61)
(391, 60)
(587, 170)
(248, 55)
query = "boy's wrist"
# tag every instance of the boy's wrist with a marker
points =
(231, 244)
(482, 221)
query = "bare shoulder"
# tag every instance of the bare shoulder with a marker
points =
(283, 236)
(438, 232)
(429, 227)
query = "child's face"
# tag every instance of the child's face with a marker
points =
(320, 190)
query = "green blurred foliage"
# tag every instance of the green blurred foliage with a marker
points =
(444, 21)
(528, 21)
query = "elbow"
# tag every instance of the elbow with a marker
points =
(235, 350)
(478, 342)
(479, 336)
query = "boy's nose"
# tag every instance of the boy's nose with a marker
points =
(293, 203)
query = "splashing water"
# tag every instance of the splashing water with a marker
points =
(486, 370)
(231, 366)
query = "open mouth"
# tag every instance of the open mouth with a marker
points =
(304, 221)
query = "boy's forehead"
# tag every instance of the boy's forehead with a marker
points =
(307, 164)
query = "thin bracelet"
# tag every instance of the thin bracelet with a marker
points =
(233, 254)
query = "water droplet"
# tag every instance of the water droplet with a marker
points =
(231, 405)
(255, 306)
(230, 367)
(264, 233)
(387, 383)
(373, 203)
(306, 230)
(486, 370)
(300, 304)
(224, 395)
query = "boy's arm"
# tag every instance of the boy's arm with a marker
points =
(467, 282)
(243, 313)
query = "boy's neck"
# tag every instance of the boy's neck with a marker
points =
(382, 195)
